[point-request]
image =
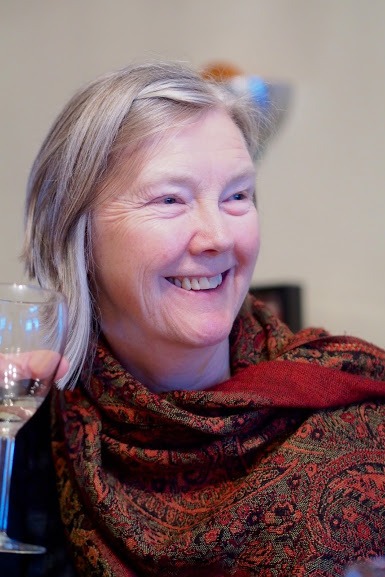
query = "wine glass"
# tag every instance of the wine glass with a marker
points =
(33, 324)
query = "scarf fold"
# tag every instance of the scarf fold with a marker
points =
(279, 471)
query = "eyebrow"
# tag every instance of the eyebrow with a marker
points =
(248, 174)
(190, 179)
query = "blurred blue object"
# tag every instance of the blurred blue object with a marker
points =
(255, 87)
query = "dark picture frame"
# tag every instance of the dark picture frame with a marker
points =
(284, 300)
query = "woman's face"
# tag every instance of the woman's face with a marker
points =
(174, 249)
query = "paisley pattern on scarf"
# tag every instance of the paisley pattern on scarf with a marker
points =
(280, 471)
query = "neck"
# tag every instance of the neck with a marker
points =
(165, 367)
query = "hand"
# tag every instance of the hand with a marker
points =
(35, 365)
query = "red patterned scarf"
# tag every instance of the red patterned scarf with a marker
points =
(279, 471)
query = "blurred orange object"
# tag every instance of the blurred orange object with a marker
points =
(221, 71)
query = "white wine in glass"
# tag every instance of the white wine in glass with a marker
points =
(33, 329)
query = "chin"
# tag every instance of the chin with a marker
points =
(210, 334)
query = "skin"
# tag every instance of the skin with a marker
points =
(43, 365)
(189, 212)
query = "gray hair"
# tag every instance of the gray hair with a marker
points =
(117, 111)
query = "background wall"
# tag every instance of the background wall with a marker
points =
(321, 183)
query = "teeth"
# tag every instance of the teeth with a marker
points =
(204, 283)
(215, 281)
(186, 284)
(196, 284)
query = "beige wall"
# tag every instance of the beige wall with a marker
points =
(321, 185)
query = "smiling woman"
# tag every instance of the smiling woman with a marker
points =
(194, 433)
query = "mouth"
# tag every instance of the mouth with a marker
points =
(201, 283)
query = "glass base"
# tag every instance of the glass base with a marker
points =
(8, 545)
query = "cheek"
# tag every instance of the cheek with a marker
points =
(249, 239)
(112, 263)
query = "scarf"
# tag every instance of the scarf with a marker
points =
(278, 471)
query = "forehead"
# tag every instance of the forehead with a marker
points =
(211, 142)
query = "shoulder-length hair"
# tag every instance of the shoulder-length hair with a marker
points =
(117, 111)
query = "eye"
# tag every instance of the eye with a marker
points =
(169, 200)
(169, 204)
(165, 200)
(242, 195)
(239, 196)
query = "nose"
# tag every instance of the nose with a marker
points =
(211, 232)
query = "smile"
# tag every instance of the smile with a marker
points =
(197, 284)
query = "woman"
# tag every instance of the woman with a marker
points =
(194, 434)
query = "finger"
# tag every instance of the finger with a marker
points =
(43, 364)
(47, 365)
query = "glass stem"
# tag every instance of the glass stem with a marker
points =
(7, 448)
